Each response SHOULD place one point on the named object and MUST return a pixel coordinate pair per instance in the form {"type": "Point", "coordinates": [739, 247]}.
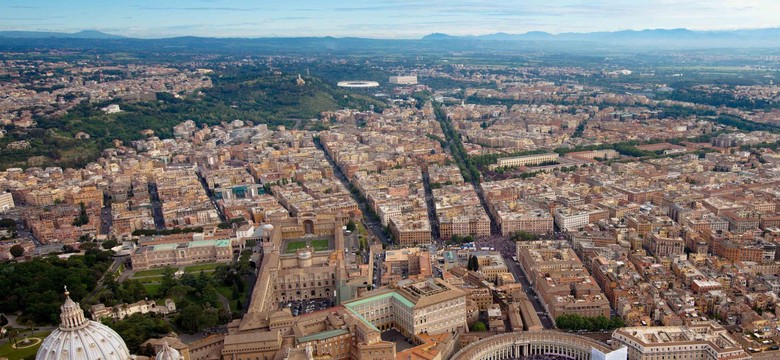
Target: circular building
{"type": "Point", "coordinates": [535, 345]}
{"type": "Point", "coordinates": [358, 84]}
{"type": "Point", "coordinates": [168, 353]}
{"type": "Point", "coordinates": [267, 229]}
{"type": "Point", "coordinates": [79, 338]}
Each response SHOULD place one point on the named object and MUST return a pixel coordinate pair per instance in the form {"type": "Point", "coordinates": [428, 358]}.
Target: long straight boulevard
{"type": "Point", "coordinates": [469, 171]}
{"type": "Point", "coordinates": [374, 226]}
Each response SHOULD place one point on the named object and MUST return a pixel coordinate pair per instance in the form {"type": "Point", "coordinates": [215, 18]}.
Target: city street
{"type": "Point", "coordinates": [435, 235]}
{"type": "Point", "coordinates": [378, 270]}
{"type": "Point", "coordinates": [105, 220]}
{"type": "Point", "coordinates": [514, 268]}
{"type": "Point", "coordinates": [210, 194]}
{"type": "Point", "coordinates": [373, 226]}
{"type": "Point", "coordinates": [159, 222]}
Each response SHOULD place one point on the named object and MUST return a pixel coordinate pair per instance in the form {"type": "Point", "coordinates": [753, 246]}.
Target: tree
{"type": "Point", "coordinates": [479, 326]}
{"type": "Point", "coordinates": [579, 322]}
{"type": "Point", "coordinates": [235, 292]}
{"type": "Point", "coordinates": [178, 292]}
{"type": "Point", "coordinates": [456, 239]}
{"type": "Point", "coordinates": [523, 236]}
{"type": "Point", "coordinates": [7, 223]}
{"type": "Point", "coordinates": [83, 218]}
{"type": "Point", "coordinates": [167, 281]}
{"type": "Point", "coordinates": [37, 284]}
{"type": "Point", "coordinates": [473, 263]}
{"type": "Point", "coordinates": [17, 250]}
{"type": "Point", "coordinates": [88, 246]}
{"type": "Point", "coordinates": [137, 328]}
{"type": "Point", "coordinates": [108, 244]}
{"type": "Point", "coordinates": [188, 318]}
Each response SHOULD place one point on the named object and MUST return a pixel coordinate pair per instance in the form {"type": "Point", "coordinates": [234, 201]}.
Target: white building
{"type": "Point", "coordinates": [701, 341]}
{"type": "Point", "coordinates": [122, 311]}
{"type": "Point", "coordinates": [570, 219]}
{"type": "Point", "coordinates": [525, 160]}
{"type": "Point", "coordinates": [404, 80]}
{"type": "Point", "coordinates": [111, 109]}
{"type": "Point", "coordinates": [6, 201]}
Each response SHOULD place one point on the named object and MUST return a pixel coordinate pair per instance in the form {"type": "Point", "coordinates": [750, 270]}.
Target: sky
{"type": "Point", "coordinates": [379, 18]}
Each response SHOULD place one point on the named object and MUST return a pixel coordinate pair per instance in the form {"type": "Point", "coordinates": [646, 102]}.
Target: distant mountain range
{"type": "Point", "coordinates": [84, 34]}
{"type": "Point", "coordinates": [593, 42]}
{"type": "Point", "coordinates": [673, 37]}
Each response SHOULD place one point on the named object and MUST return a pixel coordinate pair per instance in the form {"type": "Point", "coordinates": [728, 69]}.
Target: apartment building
{"type": "Point", "coordinates": [569, 219]}
{"type": "Point", "coordinates": [699, 341]}
{"type": "Point", "coordinates": [6, 201]}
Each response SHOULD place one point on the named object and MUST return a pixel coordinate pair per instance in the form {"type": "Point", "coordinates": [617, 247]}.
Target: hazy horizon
{"type": "Point", "coordinates": [391, 19]}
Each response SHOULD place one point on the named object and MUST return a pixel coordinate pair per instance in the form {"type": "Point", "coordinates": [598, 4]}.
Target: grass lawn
{"type": "Point", "coordinates": [320, 245]}
{"type": "Point", "coordinates": [227, 292]}
{"type": "Point", "coordinates": [149, 272]}
{"type": "Point", "coordinates": [295, 245]}
{"type": "Point", "coordinates": [152, 290]}
{"type": "Point", "coordinates": [16, 354]}
{"type": "Point", "coordinates": [245, 255]}
{"type": "Point", "coordinates": [200, 267]}
{"type": "Point", "coordinates": [151, 279]}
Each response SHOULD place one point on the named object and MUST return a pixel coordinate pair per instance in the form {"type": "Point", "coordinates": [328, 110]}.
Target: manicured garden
{"type": "Point", "coordinates": [7, 350]}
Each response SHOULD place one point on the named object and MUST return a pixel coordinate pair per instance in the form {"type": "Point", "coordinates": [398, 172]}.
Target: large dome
{"type": "Point", "coordinates": [80, 339]}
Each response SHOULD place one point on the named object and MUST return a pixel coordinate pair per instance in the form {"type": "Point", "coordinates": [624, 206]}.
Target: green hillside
{"type": "Point", "coordinates": [245, 93]}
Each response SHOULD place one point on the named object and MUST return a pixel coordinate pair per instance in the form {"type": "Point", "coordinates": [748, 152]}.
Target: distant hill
{"type": "Point", "coordinates": [84, 34]}
{"type": "Point", "coordinates": [680, 38]}
{"type": "Point", "coordinates": [584, 43]}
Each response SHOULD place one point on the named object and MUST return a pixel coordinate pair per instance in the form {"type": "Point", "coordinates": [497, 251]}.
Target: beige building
{"type": "Point", "coordinates": [291, 272]}
{"type": "Point", "coordinates": [6, 201]}
{"type": "Point", "coordinates": [411, 230]}
{"type": "Point", "coordinates": [431, 307]}
{"type": "Point", "coordinates": [701, 341]}
{"type": "Point", "coordinates": [122, 311]}
{"type": "Point", "coordinates": [666, 242]}
{"type": "Point", "coordinates": [563, 284]}
{"type": "Point", "coordinates": [407, 263]}
{"type": "Point", "coordinates": [403, 80]}
{"type": "Point", "coordinates": [491, 264]}
{"type": "Point", "coordinates": [476, 225]}
{"type": "Point", "coordinates": [459, 212]}
{"type": "Point", "coordinates": [178, 254]}
{"type": "Point", "coordinates": [525, 160]}
{"type": "Point", "coordinates": [535, 221]}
